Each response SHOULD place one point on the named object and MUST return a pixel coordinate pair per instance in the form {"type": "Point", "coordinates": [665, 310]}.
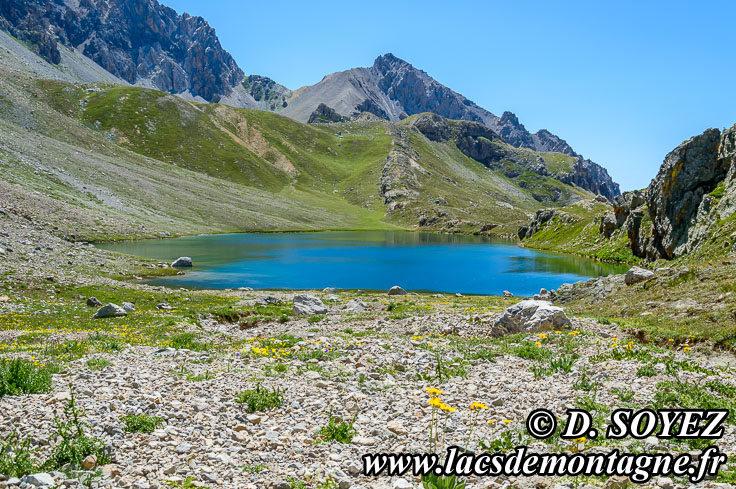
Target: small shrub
{"type": "Point", "coordinates": [200, 377]}
{"type": "Point", "coordinates": [260, 399]}
{"type": "Point", "coordinates": [647, 370]}
{"type": "Point", "coordinates": [434, 481]}
{"type": "Point", "coordinates": [562, 363]}
{"type": "Point", "coordinates": [141, 423]}
{"type": "Point", "coordinates": [254, 469]}
{"type": "Point", "coordinates": [281, 367]}
{"type": "Point", "coordinates": [337, 430]}
{"type": "Point", "coordinates": [584, 383]}
{"type": "Point", "coordinates": [296, 483]}
{"type": "Point", "coordinates": [73, 443]}
{"type": "Point", "coordinates": [19, 376]}
{"type": "Point", "coordinates": [328, 483]}
{"type": "Point", "coordinates": [98, 363]}
{"type": "Point", "coordinates": [624, 395]}
{"type": "Point", "coordinates": [315, 319]}
{"type": "Point", "coordinates": [187, 483]}
{"type": "Point", "coordinates": [15, 457]}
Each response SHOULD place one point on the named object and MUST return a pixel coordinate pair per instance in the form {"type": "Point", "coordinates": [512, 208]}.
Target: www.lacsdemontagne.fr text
{"type": "Point", "coordinates": [639, 467]}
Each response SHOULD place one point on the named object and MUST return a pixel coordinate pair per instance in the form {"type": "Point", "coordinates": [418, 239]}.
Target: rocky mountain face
{"type": "Point", "coordinates": [323, 114]}
{"type": "Point", "coordinates": [694, 189]}
{"type": "Point", "coordinates": [393, 89]}
{"type": "Point", "coordinates": [267, 93]}
{"type": "Point", "coordinates": [139, 41]}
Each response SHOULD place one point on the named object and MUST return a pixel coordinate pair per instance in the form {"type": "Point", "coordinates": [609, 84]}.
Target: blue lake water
{"type": "Point", "coordinates": [369, 260]}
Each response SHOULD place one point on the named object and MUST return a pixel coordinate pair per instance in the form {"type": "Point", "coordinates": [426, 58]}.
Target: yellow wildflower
{"type": "Point", "coordinates": [433, 391]}
{"type": "Point", "coordinates": [478, 405]}
{"type": "Point", "coordinates": [445, 407]}
{"type": "Point", "coordinates": [542, 335]}
{"type": "Point", "coordinates": [506, 421]}
{"type": "Point", "coordinates": [686, 348]}
{"type": "Point", "coordinates": [491, 421]}
{"type": "Point", "coordinates": [435, 402]}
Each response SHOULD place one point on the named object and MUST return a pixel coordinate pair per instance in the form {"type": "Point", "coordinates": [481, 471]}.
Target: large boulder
{"type": "Point", "coordinates": [182, 262]}
{"type": "Point", "coordinates": [308, 305]}
{"type": "Point", "coordinates": [110, 311]}
{"type": "Point", "coordinates": [396, 290]}
{"type": "Point", "coordinates": [530, 316]}
{"type": "Point", "coordinates": [636, 275]}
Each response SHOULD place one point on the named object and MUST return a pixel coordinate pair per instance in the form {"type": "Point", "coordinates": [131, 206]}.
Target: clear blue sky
{"type": "Point", "coordinates": [623, 82]}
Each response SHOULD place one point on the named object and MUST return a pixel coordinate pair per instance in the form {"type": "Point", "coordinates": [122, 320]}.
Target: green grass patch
{"type": "Point", "coordinates": [141, 423]}
{"type": "Point", "coordinates": [260, 399]}
{"type": "Point", "coordinates": [337, 430]}
{"type": "Point", "coordinates": [19, 376]}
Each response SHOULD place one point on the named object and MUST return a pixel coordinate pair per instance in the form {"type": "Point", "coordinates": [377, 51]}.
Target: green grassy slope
{"type": "Point", "coordinates": [577, 230]}
{"type": "Point", "coordinates": [156, 164]}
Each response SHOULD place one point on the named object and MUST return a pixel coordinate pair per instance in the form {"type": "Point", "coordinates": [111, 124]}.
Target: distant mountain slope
{"type": "Point", "coordinates": [156, 163]}
{"type": "Point", "coordinates": [143, 43]}
{"type": "Point", "coordinates": [139, 41]}
{"type": "Point", "coordinates": [394, 89]}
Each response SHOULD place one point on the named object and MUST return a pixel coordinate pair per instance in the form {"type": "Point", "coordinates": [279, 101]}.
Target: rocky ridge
{"type": "Point", "coordinates": [139, 41]}
{"type": "Point", "coordinates": [694, 189]}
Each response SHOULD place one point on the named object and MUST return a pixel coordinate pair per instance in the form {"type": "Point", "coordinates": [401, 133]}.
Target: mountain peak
{"type": "Point", "coordinates": [388, 61]}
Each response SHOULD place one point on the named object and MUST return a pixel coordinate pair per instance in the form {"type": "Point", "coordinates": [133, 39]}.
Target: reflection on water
{"type": "Point", "coordinates": [367, 260]}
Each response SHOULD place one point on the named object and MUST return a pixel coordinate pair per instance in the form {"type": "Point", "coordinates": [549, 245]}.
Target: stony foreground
{"type": "Point", "coordinates": [371, 367]}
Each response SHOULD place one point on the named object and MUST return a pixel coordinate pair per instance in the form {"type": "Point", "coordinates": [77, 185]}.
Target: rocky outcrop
{"type": "Point", "coordinates": [267, 93]}
{"type": "Point", "coordinates": [400, 174]}
{"type": "Point", "coordinates": [694, 189]}
{"type": "Point", "coordinates": [324, 115]}
{"type": "Point", "coordinates": [678, 194]}
{"type": "Point", "coordinates": [371, 107]}
{"type": "Point", "coordinates": [472, 138]}
{"type": "Point", "coordinates": [592, 177]}
{"type": "Point", "coordinates": [540, 220]}
{"type": "Point", "coordinates": [139, 41]}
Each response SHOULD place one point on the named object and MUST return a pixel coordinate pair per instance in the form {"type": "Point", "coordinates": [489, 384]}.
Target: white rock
{"type": "Point", "coordinates": [308, 305]}
{"type": "Point", "coordinates": [39, 480]}
{"type": "Point", "coordinates": [110, 311]}
{"type": "Point", "coordinates": [402, 483]}
{"type": "Point", "coordinates": [530, 316]}
{"type": "Point", "coordinates": [182, 262]}
{"type": "Point", "coordinates": [356, 305]}
{"type": "Point", "coordinates": [396, 290]}
{"type": "Point", "coordinates": [636, 275]}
